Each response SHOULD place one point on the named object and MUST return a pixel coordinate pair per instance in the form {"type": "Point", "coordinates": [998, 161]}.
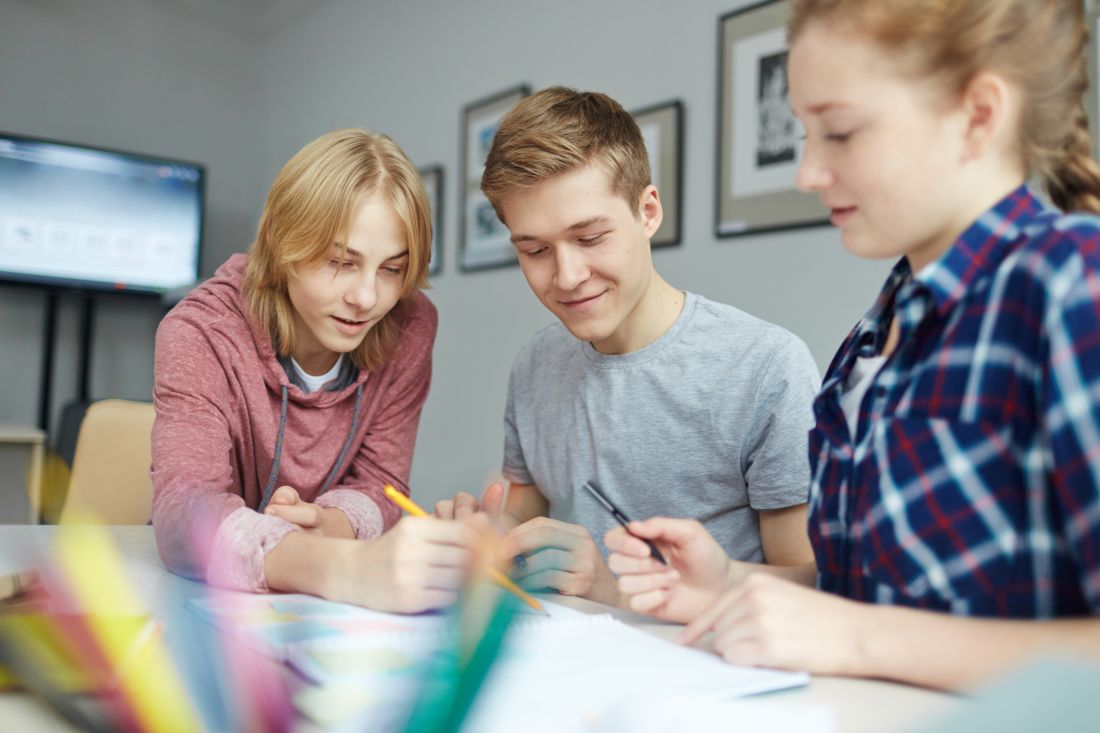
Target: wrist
{"type": "Point", "coordinates": [736, 572]}
{"type": "Point", "coordinates": [335, 523]}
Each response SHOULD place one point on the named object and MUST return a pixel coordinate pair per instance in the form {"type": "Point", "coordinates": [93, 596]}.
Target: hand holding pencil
{"type": "Point", "coordinates": [498, 577]}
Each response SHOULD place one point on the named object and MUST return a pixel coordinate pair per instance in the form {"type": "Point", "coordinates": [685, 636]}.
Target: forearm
{"type": "Point", "coordinates": [335, 524]}
{"type": "Point", "coordinates": [802, 573]}
{"type": "Point", "coordinates": [524, 503]}
{"type": "Point", "coordinates": [305, 563]}
{"type": "Point", "coordinates": [953, 653]}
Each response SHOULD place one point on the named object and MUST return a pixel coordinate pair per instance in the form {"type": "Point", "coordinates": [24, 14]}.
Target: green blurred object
{"type": "Point", "coordinates": [455, 673]}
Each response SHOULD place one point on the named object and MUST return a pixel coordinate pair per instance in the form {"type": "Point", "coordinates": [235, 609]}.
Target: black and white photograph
{"type": "Point", "coordinates": [759, 139]}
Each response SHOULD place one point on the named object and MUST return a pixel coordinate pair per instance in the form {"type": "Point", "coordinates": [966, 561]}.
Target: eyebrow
{"type": "Point", "coordinates": [516, 239]}
{"type": "Point", "coordinates": [357, 253]}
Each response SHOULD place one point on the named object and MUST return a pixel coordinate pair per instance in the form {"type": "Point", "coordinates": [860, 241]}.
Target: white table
{"type": "Point", "coordinates": [859, 706]}
{"type": "Point", "coordinates": [36, 440]}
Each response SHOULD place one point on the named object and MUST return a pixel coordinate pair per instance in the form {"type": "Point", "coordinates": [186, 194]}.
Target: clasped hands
{"type": "Point", "coordinates": [557, 556]}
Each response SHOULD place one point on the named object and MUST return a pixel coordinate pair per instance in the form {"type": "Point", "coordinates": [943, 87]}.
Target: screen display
{"type": "Point", "coordinates": [89, 218]}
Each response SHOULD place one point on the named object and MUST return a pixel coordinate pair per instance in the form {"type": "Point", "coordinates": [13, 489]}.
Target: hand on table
{"type": "Point", "coordinates": [765, 621]}
{"type": "Point", "coordinates": [562, 557]}
{"type": "Point", "coordinates": [698, 569]}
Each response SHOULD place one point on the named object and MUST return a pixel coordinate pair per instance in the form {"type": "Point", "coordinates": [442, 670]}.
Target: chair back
{"type": "Point", "coordinates": [110, 480]}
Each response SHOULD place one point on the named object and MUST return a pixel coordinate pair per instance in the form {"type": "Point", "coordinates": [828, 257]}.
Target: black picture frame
{"type": "Point", "coordinates": [433, 178]}
{"type": "Point", "coordinates": [483, 240]}
{"type": "Point", "coordinates": [662, 127]}
{"type": "Point", "coordinates": [758, 140]}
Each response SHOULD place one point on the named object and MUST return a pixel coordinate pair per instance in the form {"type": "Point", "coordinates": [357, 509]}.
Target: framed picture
{"type": "Point", "coordinates": [483, 240]}
{"type": "Point", "coordinates": [1092, 57]}
{"type": "Point", "coordinates": [662, 127]}
{"type": "Point", "coordinates": [432, 178]}
{"type": "Point", "coordinates": [759, 140]}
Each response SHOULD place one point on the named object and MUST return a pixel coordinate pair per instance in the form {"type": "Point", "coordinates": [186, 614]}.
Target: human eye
{"type": "Point", "coordinates": [534, 252]}
{"type": "Point", "coordinates": [394, 270]}
{"type": "Point", "coordinates": [338, 264]}
{"type": "Point", "coordinates": [592, 238]}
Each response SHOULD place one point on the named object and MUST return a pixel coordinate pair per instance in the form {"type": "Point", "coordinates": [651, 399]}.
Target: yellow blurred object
{"type": "Point", "coordinates": [146, 675]}
{"type": "Point", "coordinates": [110, 475]}
{"type": "Point", "coordinates": [55, 487]}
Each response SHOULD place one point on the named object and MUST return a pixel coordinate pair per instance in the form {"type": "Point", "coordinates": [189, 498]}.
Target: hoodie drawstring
{"type": "Point", "coordinates": [269, 489]}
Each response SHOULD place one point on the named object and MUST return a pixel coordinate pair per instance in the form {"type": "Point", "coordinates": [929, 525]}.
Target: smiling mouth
{"type": "Point", "coordinates": [348, 321]}
{"type": "Point", "coordinates": [580, 301]}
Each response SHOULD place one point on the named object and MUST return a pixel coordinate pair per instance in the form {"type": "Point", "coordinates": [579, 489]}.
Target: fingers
{"type": "Point", "coordinates": [285, 495]}
{"type": "Point", "coordinates": [460, 507]}
{"type": "Point", "coordinates": [726, 604]}
{"type": "Point", "coordinates": [302, 514]}
{"type": "Point", "coordinates": [635, 584]}
{"type": "Point", "coordinates": [650, 601]}
{"type": "Point", "coordinates": [543, 532]}
{"type": "Point", "coordinates": [548, 559]}
{"type": "Point", "coordinates": [624, 565]}
{"type": "Point", "coordinates": [464, 505]}
{"type": "Point", "coordinates": [557, 580]}
{"type": "Point", "coordinates": [445, 509]}
{"type": "Point", "coordinates": [492, 501]}
{"type": "Point", "coordinates": [622, 542]}
{"type": "Point", "coordinates": [672, 531]}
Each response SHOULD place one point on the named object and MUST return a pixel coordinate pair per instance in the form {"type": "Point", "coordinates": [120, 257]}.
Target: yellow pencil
{"type": "Point", "coordinates": [498, 577]}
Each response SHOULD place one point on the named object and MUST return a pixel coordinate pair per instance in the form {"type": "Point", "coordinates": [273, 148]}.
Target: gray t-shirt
{"type": "Point", "coordinates": [709, 422]}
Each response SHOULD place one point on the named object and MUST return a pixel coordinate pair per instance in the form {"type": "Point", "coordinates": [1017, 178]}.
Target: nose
{"type": "Point", "coordinates": [813, 175]}
{"type": "Point", "coordinates": [572, 267]}
{"type": "Point", "coordinates": [362, 293]}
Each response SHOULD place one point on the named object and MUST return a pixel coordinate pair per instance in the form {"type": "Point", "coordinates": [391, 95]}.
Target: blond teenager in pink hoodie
{"type": "Point", "coordinates": [288, 390]}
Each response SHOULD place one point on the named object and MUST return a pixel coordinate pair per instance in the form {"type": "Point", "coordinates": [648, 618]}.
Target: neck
{"type": "Point", "coordinates": [655, 313]}
{"type": "Point", "coordinates": [994, 190]}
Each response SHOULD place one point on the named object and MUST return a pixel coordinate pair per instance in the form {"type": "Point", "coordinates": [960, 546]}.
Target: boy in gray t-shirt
{"type": "Point", "coordinates": [673, 404]}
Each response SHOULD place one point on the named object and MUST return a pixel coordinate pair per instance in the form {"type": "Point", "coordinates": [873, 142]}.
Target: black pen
{"type": "Point", "coordinates": [622, 518]}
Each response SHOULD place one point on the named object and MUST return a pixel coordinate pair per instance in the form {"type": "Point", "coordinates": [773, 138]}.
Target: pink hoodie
{"type": "Point", "coordinates": [219, 394]}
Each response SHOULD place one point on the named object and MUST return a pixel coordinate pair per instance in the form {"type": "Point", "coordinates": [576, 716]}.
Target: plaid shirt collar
{"type": "Point", "coordinates": [977, 253]}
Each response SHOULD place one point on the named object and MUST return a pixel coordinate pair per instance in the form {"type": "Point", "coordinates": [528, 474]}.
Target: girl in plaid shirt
{"type": "Point", "coordinates": [955, 461]}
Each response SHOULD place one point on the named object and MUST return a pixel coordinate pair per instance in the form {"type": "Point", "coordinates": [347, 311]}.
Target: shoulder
{"type": "Point", "coordinates": [746, 341]}
{"type": "Point", "coordinates": [418, 315]}
{"type": "Point", "coordinates": [1054, 265]}
{"type": "Point", "coordinates": [545, 349]}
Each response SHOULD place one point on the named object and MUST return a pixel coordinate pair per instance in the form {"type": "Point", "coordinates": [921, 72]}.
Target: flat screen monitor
{"type": "Point", "coordinates": [89, 218]}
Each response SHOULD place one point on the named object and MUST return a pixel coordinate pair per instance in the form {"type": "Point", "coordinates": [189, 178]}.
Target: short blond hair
{"type": "Point", "coordinates": [558, 130]}
{"type": "Point", "coordinates": [310, 206]}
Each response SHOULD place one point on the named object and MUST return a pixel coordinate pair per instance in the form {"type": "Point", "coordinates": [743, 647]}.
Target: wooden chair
{"type": "Point", "coordinates": [110, 473]}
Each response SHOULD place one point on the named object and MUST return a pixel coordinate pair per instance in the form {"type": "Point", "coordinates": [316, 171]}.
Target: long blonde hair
{"type": "Point", "coordinates": [1037, 45]}
{"type": "Point", "coordinates": [309, 207]}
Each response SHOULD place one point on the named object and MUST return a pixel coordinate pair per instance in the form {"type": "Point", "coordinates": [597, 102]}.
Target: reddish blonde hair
{"type": "Point", "coordinates": [558, 130]}
{"type": "Point", "coordinates": [1036, 45]}
{"type": "Point", "coordinates": [310, 205]}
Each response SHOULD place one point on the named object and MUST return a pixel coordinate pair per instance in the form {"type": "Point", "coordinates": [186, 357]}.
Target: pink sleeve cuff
{"type": "Point", "coordinates": [361, 511]}
{"type": "Point", "coordinates": [240, 546]}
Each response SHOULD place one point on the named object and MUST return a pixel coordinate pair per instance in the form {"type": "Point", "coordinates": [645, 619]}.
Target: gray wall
{"type": "Point", "coordinates": [140, 75]}
{"type": "Point", "coordinates": [163, 77]}
{"type": "Point", "coordinates": [408, 68]}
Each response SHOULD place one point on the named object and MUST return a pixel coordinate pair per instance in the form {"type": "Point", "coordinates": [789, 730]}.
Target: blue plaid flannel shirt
{"type": "Point", "coordinates": [972, 484]}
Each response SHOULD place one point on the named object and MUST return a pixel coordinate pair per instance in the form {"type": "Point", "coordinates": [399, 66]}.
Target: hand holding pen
{"type": "Point", "coordinates": [621, 518]}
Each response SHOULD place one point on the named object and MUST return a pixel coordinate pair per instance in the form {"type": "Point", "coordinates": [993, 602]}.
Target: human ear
{"type": "Point", "coordinates": [649, 206]}
{"type": "Point", "coordinates": [986, 105]}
